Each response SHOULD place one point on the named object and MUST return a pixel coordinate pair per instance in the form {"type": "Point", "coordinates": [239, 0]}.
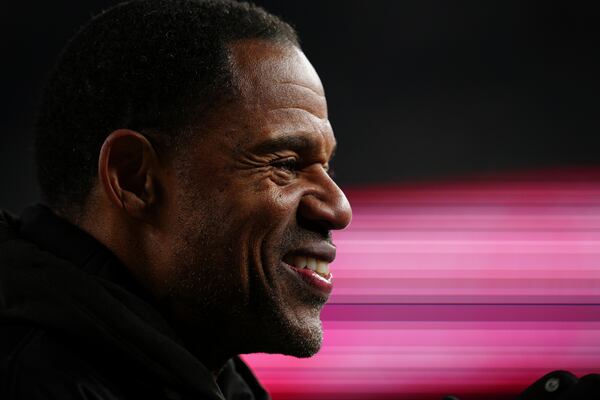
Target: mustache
{"type": "Point", "coordinates": [295, 237]}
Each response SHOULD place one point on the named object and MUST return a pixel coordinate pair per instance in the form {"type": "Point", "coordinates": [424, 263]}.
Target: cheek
{"type": "Point", "coordinates": [266, 206]}
{"type": "Point", "coordinates": [266, 217]}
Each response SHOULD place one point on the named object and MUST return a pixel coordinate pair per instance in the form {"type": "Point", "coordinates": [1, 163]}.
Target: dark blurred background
{"type": "Point", "coordinates": [417, 90]}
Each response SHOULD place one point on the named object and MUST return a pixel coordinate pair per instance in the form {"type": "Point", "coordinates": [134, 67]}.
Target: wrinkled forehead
{"type": "Point", "coordinates": [273, 75]}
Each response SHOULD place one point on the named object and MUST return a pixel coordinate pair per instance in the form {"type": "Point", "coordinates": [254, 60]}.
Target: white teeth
{"type": "Point", "coordinates": [319, 266]}
{"type": "Point", "coordinates": [300, 262]}
{"type": "Point", "coordinates": [322, 267]}
{"type": "Point", "coordinates": [311, 263]}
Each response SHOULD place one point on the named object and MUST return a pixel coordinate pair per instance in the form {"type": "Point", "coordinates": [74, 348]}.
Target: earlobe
{"type": "Point", "coordinates": [127, 171]}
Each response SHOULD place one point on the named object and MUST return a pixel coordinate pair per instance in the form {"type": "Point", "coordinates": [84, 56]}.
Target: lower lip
{"type": "Point", "coordinates": [323, 284]}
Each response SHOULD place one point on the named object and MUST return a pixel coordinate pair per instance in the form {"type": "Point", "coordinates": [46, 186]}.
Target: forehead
{"type": "Point", "coordinates": [260, 66]}
{"type": "Point", "coordinates": [280, 92]}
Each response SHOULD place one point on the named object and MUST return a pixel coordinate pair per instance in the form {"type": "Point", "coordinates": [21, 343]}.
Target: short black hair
{"type": "Point", "coordinates": [146, 65]}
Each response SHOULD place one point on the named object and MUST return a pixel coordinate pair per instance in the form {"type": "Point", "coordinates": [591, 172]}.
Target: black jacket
{"type": "Point", "coordinates": [74, 325]}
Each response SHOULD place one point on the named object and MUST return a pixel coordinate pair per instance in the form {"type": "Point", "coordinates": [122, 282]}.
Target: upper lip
{"type": "Point", "coordinates": [321, 251]}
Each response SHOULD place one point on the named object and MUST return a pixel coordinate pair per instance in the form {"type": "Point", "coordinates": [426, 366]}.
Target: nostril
{"type": "Point", "coordinates": [322, 227]}
{"type": "Point", "coordinates": [317, 212]}
{"type": "Point", "coordinates": [329, 210]}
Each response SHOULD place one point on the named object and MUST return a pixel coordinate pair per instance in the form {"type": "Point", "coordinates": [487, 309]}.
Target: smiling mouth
{"type": "Point", "coordinates": [312, 271]}
{"type": "Point", "coordinates": [320, 267]}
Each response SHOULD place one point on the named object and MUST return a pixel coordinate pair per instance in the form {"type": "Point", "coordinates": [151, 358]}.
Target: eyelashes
{"type": "Point", "coordinates": [286, 164]}
{"type": "Point", "coordinates": [292, 165]}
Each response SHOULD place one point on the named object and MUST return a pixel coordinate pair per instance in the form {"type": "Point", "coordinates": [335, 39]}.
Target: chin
{"type": "Point", "coordinates": [302, 338]}
{"type": "Point", "coordinates": [305, 346]}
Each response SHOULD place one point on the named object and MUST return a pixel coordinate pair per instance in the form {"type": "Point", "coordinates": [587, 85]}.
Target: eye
{"type": "Point", "coordinates": [286, 164]}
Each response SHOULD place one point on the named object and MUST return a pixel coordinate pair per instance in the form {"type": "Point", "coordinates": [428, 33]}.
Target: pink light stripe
{"type": "Point", "coordinates": [383, 379]}
{"type": "Point", "coordinates": [462, 337]}
{"type": "Point", "coordinates": [557, 282]}
{"type": "Point", "coordinates": [492, 292]}
{"type": "Point", "coordinates": [512, 193]}
{"type": "Point", "coordinates": [458, 350]}
{"type": "Point", "coordinates": [444, 361]}
{"type": "Point", "coordinates": [357, 326]}
{"type": "Point", "coordinates": [462, 236]}
{"type": "Point", "coordinates": [471, 222]}
{"type": "Point", "coordinates": [473, 246]}
{"type": "Point", "coordinates": [347, 275]}
{"type": "Point", "coordinates": [383, 375]}
{"type": "Point", "coordinates": [465, 261]}
{"type": "Point", "coordinates": [471, 288]}
{"type": "Point", "coordinates": [461, 312]}
{"type": "Point", "coordinates": [481, 210]}
{"type": "Point", "coordinates": [371, 299]}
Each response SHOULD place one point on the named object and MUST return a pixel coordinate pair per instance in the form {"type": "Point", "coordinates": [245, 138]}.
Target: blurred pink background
{"type": "Point", "coordinates": [473, 287]}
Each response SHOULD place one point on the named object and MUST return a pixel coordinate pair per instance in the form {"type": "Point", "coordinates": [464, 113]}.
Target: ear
{"type": "Point", "coordinates": [128, 172]}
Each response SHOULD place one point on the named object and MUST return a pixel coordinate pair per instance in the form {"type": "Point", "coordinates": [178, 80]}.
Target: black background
{"type": "Point", "coordinates": [417, 90]}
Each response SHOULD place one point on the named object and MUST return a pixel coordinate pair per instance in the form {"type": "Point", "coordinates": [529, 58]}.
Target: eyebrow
{"type": "Point", "coordinates": [298, 142]}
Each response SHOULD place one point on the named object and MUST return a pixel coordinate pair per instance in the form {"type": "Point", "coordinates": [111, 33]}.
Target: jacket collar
{"type": "Point", "coordinates": [58, 236]}
{"type": "Point", "coordinates": [45, 268]}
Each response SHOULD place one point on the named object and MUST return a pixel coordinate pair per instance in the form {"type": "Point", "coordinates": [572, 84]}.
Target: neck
{"type": "Point", "coordinates": [207, 338]}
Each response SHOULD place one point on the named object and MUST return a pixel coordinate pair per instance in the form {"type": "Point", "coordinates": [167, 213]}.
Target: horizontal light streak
{"type": "Point", "coordinates": [461, 312]}
{"type": "Point", "coordinates": [520, 274]}
{"type": "Point", "coordinates": [474, 246]}
{"type": "Point", "coordinates": [474, 288]}
{"type": "Point", "coordinates": [363, 223]}
{"type": "Point", "coordinates": [464, 261]}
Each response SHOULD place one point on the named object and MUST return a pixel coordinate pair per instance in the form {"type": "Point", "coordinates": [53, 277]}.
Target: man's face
{"type": "Point", "coordinates": [252, 208]}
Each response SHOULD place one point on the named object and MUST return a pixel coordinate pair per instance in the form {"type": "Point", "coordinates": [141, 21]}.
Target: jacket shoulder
{"type": "Point", "coordinates": [563, 385]}
{"type": "Point", "coordinates": [35, 365]}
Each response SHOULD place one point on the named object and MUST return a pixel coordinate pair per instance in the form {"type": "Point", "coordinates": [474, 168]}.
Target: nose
{"type": "Point", "coordinates": [325, 205]}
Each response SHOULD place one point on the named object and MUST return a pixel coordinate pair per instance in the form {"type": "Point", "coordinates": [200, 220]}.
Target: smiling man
{"type": "Point", "coordinates": [183, 151]}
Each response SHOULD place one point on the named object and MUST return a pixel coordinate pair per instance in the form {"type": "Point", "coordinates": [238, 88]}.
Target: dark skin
{"type": "Point", "coordinates": [205, 229]}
